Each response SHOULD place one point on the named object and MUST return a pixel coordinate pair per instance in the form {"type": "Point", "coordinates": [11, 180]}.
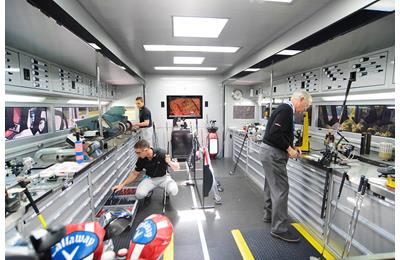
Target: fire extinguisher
{"type": "Point", "coordinates": [212, 137]}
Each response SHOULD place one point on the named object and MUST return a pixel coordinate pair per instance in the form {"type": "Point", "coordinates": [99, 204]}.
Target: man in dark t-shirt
{"type": "Point", "coordinates": [155, 163]}
{"type": "Point", "coordinates": [145, 121]}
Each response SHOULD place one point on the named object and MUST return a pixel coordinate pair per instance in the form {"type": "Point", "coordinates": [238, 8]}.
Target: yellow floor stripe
{"type": "Point", "coordinates": [242, 245]}
{"type": "Point", "coordinates": [312, 241]}
{"type": "Point", "coordinates": [169, 251]}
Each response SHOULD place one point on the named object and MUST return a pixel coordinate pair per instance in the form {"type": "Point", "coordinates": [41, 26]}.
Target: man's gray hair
{"type": "Point", "coordinates": [302, 94]}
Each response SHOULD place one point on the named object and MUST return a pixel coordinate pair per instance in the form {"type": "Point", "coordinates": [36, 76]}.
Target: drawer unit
{"type": "Point", "coordinates": [280, 87]}
{"type": "Point", "coordinates": [109, 91]}
{"type": "Point", "coordinates": [293, 83]}
{"type": "Point", "coordinates": [103, 92]}
{"type": "Point", "coordinates": [35, 72]}
{"type": "Point", "coordinates": [90, 85]}
{"type": "Point", "coordinates": [63, 80]}
{"type": "Point", "coordinates": [12, 68]}
{"type": "Point", "coordinates": [335, 76]}
{"type": "Point", "coordinates": [309, 80]}
{"type": "Point", "coordinates": [79, 84]}
{"type": "Point", "coordinates": [371, 69]}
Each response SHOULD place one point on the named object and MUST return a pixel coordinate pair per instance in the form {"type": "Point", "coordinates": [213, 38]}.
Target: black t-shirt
{"type": "Point", "coordinates": [279, 130]}
{"type": "Point", "coordinates": [156, 167]}
{"type": "Point", "coordinates": [145, 114]}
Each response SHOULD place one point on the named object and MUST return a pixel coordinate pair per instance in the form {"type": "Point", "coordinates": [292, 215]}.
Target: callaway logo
{"type": "Point", "coordinates": [76, 245]}
{"type": "Point", "coordinates": [145, 232]}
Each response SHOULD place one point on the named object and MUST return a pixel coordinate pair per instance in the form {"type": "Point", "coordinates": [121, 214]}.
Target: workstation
{"type": "Point", "coordinates": [120, 126]}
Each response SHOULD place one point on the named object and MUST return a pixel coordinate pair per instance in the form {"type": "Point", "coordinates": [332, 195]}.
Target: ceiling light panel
{"type": "Point", "coordinates": [288, 52]}
{"type": "Point", "coordinates": [279, 1]}
{"type": "Point", "coordinates": [94, 46]}
{"type": "Point", "coordinates": [186, 68]}
{"type": "Point", "coordinates": [198, 26]}
{"type": "Point", "coordinates": [383, 6]}
{"type": "Point", "coordinates": [188, 60]}
{"type": "Point", "coordinates": [252, 69]}
{"type": "Point", "coordinates": [189, 48]}
{"type": "Point", "coordinates": [24, 99]}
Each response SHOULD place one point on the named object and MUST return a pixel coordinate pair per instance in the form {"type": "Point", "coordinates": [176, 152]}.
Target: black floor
{"type": "Point", "coordinates": [242, 208]}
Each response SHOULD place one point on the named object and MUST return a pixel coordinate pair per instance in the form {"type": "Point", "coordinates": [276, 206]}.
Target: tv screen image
{"type": "Point", "coordinates": [185, 106]}
{"type": "Point", "coordinates": [25, 121]}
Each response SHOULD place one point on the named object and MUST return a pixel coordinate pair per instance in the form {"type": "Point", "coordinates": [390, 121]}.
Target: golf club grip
{"type": "Point", "coordinates": [342, 183]}
{"type": "Point", "coordinates": [364, 187]}
{"type": "Point", "coordinates": [31, 201]}
{"type": "Point", "coordinates": [361, 183]}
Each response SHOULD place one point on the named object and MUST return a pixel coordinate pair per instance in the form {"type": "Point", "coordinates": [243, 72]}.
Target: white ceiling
{"type": "Point", "coordinates": [252, 25]}
{"type": "Point", "coordinates": [374, 36]}
{"type": "Point", "coordinates": [29, 30]}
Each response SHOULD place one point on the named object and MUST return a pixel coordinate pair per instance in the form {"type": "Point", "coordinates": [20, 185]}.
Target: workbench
{"type": "Point", "coordinates": [84, 197]}
{"type": "Point", "coordinates": [375, 231]}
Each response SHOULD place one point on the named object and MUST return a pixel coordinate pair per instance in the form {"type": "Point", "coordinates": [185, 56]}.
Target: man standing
{"type": "Point", "coordinates": [276, 148]}
{"type": "Point", "coordinates": [145, 122]}
{"type": "Point", "coordinates": [155, 163]}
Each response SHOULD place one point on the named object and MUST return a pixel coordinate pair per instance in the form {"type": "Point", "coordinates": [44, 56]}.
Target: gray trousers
{"type": "Point", "coordinates": [149, 184]}
{"type": "Point", "coordinates": [276, 187]}
{"type": "Point", "coordinates": [146, 133]}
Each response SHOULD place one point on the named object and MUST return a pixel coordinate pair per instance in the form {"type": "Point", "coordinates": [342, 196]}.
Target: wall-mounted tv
{"type": "Point", "coordinates": [185, 106]}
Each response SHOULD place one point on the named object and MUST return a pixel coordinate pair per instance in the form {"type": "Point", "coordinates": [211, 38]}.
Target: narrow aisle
{"type": "Point", "coordinates": [242, 207]}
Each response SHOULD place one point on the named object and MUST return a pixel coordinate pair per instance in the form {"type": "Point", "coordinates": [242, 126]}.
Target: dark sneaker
{"type": "Point", "coordinates": [267, 218]}
{"type": "Point", "coordinates": [287, 236]}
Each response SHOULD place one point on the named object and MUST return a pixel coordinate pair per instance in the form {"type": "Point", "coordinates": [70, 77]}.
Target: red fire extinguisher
{"type": "Point", "coordinates": [212, 137]}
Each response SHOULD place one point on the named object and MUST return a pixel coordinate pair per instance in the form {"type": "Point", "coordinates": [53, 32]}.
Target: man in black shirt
{"type": "Point", "coordinates": [276, 148]}
{"type": "Point", "coordinates": [155, 163]}
{"type": "Point", "coordinates": [145, 122]}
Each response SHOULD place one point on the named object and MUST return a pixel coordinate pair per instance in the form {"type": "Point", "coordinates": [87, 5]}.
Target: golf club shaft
{"type": "Point", "coordinates": [331, 217]}
{"type": "Point", "coordinates": [364, 187]}
{"type": "Point", "coordinates": [238, 157]}
{"type": "Point", "coordinates": [358, 194]}
{"type": "Point", "coordinates": [33, 204]}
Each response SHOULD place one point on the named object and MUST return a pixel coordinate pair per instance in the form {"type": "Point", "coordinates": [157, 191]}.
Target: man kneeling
{"type": "Point", "coordinates": [155, 163]}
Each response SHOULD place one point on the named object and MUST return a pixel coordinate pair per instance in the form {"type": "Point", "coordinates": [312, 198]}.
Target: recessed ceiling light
{"type": "Point", "coordinates": [198, 26]}
{"type": "Point", "coordinates": [288, 52]}
{"type": "Point", "coordinates": [185, 68]}
{"type": "Point", "coordinates": [382, 5]}
{"type": "Point", "coordinates": [252, 69]}
{"type": "Point", "coordinates": [182, 78]}
{"type": "Point", "coordinates": [190, 48]}
{"type": "Point", "coordinates": [280, 1]}
{"type": "Point", "coordinates": [188, 60]}
{"type": "Point", "coordinates": [94, 46]}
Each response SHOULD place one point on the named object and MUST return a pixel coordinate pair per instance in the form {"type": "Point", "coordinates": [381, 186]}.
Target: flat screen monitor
{"type": "Point", "coordinates": [185, 107]}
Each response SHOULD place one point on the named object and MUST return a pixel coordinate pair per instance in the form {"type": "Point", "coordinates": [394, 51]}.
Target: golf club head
{"type": "Point", "coordinates": [115, 222]}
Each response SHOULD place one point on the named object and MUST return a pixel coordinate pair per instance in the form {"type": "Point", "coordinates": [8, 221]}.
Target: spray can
{"type": "Point", "coordinates": [79, 156]}
{"type": "Point", "coordinates": [362, 144]}
{"type": "Point", "coordinates": [368, 143]}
